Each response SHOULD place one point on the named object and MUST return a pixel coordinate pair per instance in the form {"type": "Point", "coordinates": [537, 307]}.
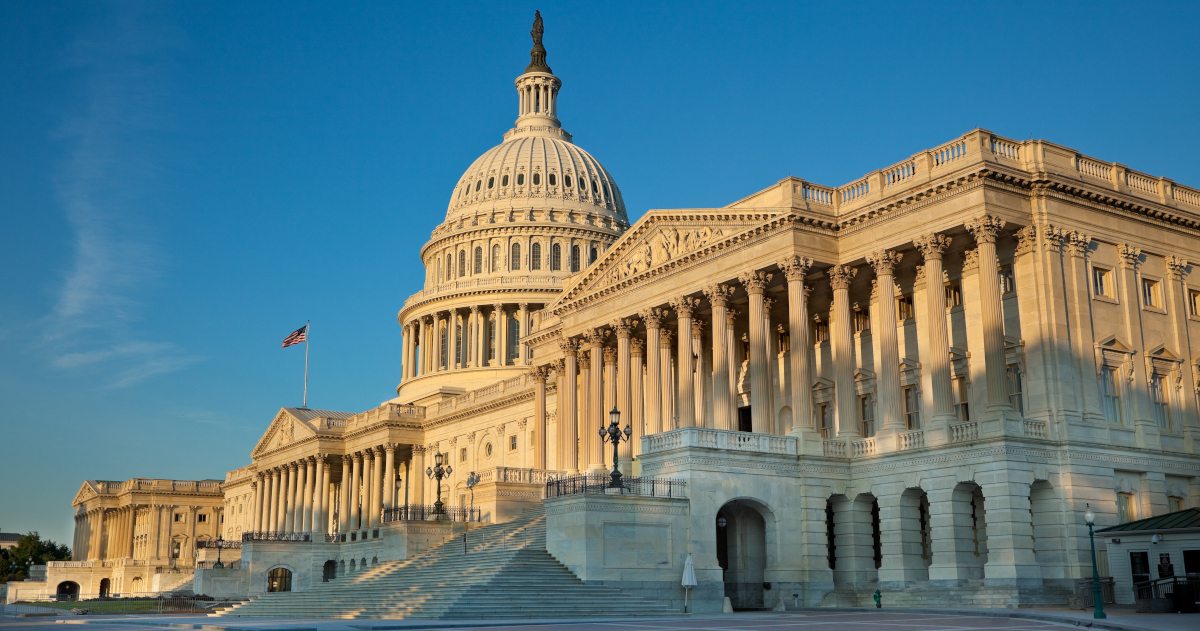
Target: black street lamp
{"type": "Point", "coordinates": [437, 472]}
{"type": "Point", "coordinates": [472, 479]}
{"type": "Point", "coordinates": [612, 434]}
{"type": "Point", "coordinates": [1097, 597]}
{"type": "Point", "coordinates": [220, 544]}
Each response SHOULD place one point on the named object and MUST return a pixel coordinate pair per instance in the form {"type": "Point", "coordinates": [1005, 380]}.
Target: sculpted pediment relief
{"type": "Point", "coordinates": [284, 430]}
{"type": "Point", "coordinates": [662, 238]}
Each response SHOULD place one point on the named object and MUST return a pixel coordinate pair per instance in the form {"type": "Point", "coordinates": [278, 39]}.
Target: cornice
{"type": "Point", "coordinates": [1113, 203]}
{"type": "Point", "coordinates": [540, 228]}
{"type": "Point", "coordinates": [495, 404]}
{"type": "Point", "coordinates": [405, 312]}
{"type": "Point", "coordinates": [911, 201]}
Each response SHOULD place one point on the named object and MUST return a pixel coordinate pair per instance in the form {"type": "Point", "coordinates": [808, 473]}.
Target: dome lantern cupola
{"type": "Point", "coordinates": [537, 93]}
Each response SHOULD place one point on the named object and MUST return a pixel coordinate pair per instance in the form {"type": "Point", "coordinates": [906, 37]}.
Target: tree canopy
{"type": "Point", "coordinates": [14, 564]}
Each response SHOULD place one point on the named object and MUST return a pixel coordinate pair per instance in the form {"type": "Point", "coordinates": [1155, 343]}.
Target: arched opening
{"type": "Point", "coordinates": [742, 553]}
{"type": "Point", "coordinates": [341, 568]}
{"type": "Point", "coordinates": [105, 588]}
{"type": "Point", "coordinates": [905, 520]}
{"type": "Point", "coordinates": [783, 425]}
{"type": "Point", "coordinates": [329, 572]}
{"type": "Point", "coordinates": [352, 564]}
{"type": "Point", "coordinates": [854, 539]}
{"type": "Point", "coordinates": [279, 580]}
{"type": "Point", "coordinates": [514, 262]}
{"type": "Point", "coordinates": [67, 590]}
{"type": "Point", "coordinates": [496, 258]}
{"type": "Point", "coordinates": [514, 340]}
{"type": "Point", "coordinates": [136, 585]}
{"type": "Point", "coordinates": [535, 257]}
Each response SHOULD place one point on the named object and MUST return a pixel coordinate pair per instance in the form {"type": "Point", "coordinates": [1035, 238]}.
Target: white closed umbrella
{"type": "Point", "coordinates": [689, 579]}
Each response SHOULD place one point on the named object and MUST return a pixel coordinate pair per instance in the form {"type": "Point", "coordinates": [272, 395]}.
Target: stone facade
{"type": "Point", "coordinates": [913, 382]}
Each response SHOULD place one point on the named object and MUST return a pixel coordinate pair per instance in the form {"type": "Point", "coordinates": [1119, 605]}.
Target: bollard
{"type": "Point", "coordinates": [464, 543]}
{"type": "Point", "coordinates": [878, 600]}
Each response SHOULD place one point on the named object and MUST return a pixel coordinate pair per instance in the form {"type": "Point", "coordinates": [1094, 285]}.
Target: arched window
{"type": "Point", "coordinates": [279, 580]}
{"type": "Point", "coordinates": [504, 181]}
{"type": "Point", "coordinates": [496, 258]}
{"type": "Point", "coordinates": [537, 179]}
{"type": "Point", "coordinates": [477, 185]}
{"type": "Point", "coordinates": [445, 333]}
{"type": "Point", "coordinates": [449, 266]}
{"type": "Point", "coordinates": [552, 182]}
{"type": "Point", "coordinates": [555, 257]}
{"type": "Point", "coordinates": [520, 179]}
{"type": "Point", "coordinates": [592, 255]}
{"type": "Point", "coordinates": [462, 263]}
{"type": "Point", "coordinates": [535, 256]}
{"type": "Point", "coordinates": [491, 182]}
{"type": "Point", "coordinates": [514, 342]}
{"type": "Point", "coordinates": [514, 256]}
{"type": "Point", "coordinates": [478, 260]}
{"type": "Point", "coordinates": [458, 340]}
{"type": "Point", "coordinates": [574, 258]}
{"type": "Point", "coordinates": [595, 187]}
{"type": "Point", "coordinates": [567, 181]}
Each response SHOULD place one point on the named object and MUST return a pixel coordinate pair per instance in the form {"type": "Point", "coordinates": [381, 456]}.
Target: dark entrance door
{"type": "Point", "coordinates": [744, 422]}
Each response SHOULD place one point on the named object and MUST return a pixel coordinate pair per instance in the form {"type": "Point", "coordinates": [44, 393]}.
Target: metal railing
{"type": "Point", "coordinates": [429, 512]}
{"type": "Point", "coordinates": [210, 565]}
{"type": "Point", "coordinates": [1107, 591]}
{"type": "Point", "coordinates": [94, 604]}
{"type": "Point", "coordinates": [223, 544]}
{"type": "Point", "coordinates": [264, 535]}
{"type": "Point", "coordinates": [1183, 588]}
{"type": "Point", "coordinates": [601, 484]}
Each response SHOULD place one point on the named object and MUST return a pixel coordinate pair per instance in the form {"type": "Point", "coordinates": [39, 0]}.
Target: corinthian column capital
{"type": "Point", "coordinates": [795, 268]}
{"type": "Point", "coordinates": [624, 327]}
{"type": "Point", "coordinates": [841, 275]}
{"type": "Point", "coordinates": [685, 306]}
{"type": "Point", "coordinates": [1130, 255]}
{"type": "Point", "coordinates": [595, 337]}
{"type": "Point", "coordinates": [569, 348]}
{"type": "Point", "coordinates": [932, 245]}
{"type": "Point", "coordinates": [986, 228]}
{"type": "Point", "coordinates": [884, 261]}
{"type": "Point", "coordinates": [653, 317]}
{"type": "Point", "coordinates": [1176, 266]}
{"type": "Point", "coordinates": [539, 374]}
{"type": "Point", "coordinates": [718, 294]}
{"type": "Point", "coordinates": [755, 282]}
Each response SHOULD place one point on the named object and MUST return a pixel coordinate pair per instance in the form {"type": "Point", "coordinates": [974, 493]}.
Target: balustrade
{"type": "Point", "coordinates": [1005, 148]}
{"type": "Point", "coordinates": [912, 440]}
{"type": "Point", "coordinates": [720, 439]}
{"type": "Point", "coordinates": [963, 432]}
{"type": "Point", "coordinates": [1035, 429]}
{"type": "Point", "coordinates": [834, 448]}
{"type": "Point", "coordinates": [860, 448]}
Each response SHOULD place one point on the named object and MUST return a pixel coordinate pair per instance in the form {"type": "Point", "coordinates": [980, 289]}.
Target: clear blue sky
{"type": "Point", "coordinates": [183, 184]}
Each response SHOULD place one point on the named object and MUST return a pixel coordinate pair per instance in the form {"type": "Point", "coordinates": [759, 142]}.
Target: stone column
{"type": "Point", "coordinates": [985, 229]}
{"type": "Point", "coordinates": [843, 351]}
{"type": "Point", "coordinates": [276, 492]}
{"type": "Point", "coordinates": [370, 468]}
{"type": "Point", "coordinates": [356, 491]}
{"type": "Point", "coordinates": [416, 474]}
{"type": "Point", "coordinates": [760, 415]}
{"type": "Point", "coordinates": [654, 394]}
{"type": "Point", "coordinates": [637, 400]}
{"type": "Point", "coordinates": [889, 402]}
{"type": "Point", "coordinates": [288, 505]}
{"type": "Point", "coordinates": [438, 343]}
{"type": "Point", "coordinates": [610, 399]}
{"type": "Point", "coordinates": [624, 385]}
{"type": "Point", "coordinates": [568, 408]}
{"type": "Point", "coordinates": [406, 340]}
{"type": "Point", "coordinates": [718, 296]}
{"type": "Point", "coordinates": [310, 487]}
{"type": "Point", "coordinates": [735, 361]}
{"type": "Point", "coordinates": [192, 510]}
{"type": "Point", "coordinates": [501, 335]}
{"type": "Point", "coordinates": [471, 338]}
{"type": "Point", "coordinates": [389, 472]}
{"type": "Point", "coordinates": [426, 361]}
{"type": "Point", "coordinates": [158, 538]}
{"type": "Point", "coordinates": [597, 415]}
{"type": "Point", "coordinates": [523, 331]}
{"type": "Point", "coordinates": [700, 375]}
{"type": "Point", "coordinates": [539, 376]}
{"type": "Point", "coordinates": [686, 399]}
{"type": "Point", "coordinates": [1136, 389]}
{"type": "Point", "coordinates": [583, 428]}
{"type": "Point", "coordinates": [800, 384]}
{"type": "Point", "coordinates": [932, 247]}
{"type": "Point", "coordinates": [667, 387]}
{"type": "Point", "coordinates": [344, 494]}
{"type": "Point", "coordinates": [259, 491]}
{"type": "Point", "coordinates": [1177, 306]}
{"type": "Point", "coordinates": [772, 363]}
{"type": "Point", "coordinates": [320, 490]}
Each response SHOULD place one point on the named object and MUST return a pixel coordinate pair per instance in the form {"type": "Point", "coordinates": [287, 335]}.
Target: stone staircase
{"type": "Point", "coordinates": [505, 573]}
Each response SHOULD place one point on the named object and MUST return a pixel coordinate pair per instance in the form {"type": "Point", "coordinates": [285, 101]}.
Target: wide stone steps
{"type": "Point", "coordinates": [505, 572]}
{"type": "Point", "coordinates": [970, 594]}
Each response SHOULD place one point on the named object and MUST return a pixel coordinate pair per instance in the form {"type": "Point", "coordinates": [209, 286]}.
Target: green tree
{"type": "Point", "coordinates": [14, 562]}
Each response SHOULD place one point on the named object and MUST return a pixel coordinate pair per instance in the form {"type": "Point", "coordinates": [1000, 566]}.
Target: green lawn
{"type": "Point", "coordinates": [122, 606]}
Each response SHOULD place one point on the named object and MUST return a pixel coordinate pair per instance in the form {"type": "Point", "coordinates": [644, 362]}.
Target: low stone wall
{"type": "Point", "coordinates": [222, 583]}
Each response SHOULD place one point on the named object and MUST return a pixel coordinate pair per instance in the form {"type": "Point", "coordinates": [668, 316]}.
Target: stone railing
{"type": "Point", "coordinates": [982, 146]}
{"type": "Point", "coordinates": [69, 563]}
{"type": "Point", "coordinates": [701, 437]}
{"type": "Point", "coordinates": [912, 440]}
{"type": "Point", "coordinates": [469, 284]}
{"type": "Point", "coordinates": [492, 391]}
{"type": "Point", "coordinates": [963, 432]}
{"type": "Point", "coordinates": [864, 447]}
{"type": "Point", "coordinates": [1035, 429]}
{"type": "Point", "coordinates": [834, 448]}
{"type": "Point", "coordinates": [517, 476]}
{"type": "Point", "coordinates": [385, 412]}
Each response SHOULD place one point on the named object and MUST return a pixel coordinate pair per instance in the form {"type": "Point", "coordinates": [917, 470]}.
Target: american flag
{"type": "Point", "coordinates": [297, 336]}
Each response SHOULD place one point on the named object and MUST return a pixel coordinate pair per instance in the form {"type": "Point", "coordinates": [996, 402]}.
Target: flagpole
{"type": "Point", "coordinates": [307, 333]}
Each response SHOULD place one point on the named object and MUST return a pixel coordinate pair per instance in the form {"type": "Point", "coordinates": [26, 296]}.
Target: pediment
{"type": "Point", "coordinates": [85, 493]}
{"type": "Point", "coordinates": [284, 430]}
{"type": "Point", "coordinates": [1112, 343]}
{"type": "Point", "coordinates": [662, 239]}
{"type": "Point", "coordinates": [1161, 352]}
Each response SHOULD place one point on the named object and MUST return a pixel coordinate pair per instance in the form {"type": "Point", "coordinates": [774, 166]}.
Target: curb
{"type": "Point", "coordinates": [1104, 623]}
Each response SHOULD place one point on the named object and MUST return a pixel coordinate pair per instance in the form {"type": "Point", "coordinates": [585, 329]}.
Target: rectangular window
{"type": "Point", "coordinates": [1175, 504]}
{"type": "Point", "coordinates": [179, 518]}
{"type": "Point", "coordinates": [462, 454]}
{"type": "Point", "coordinates": [962, 406]}
{"type": "Point", "coordinates": [1194, 302]}
{"type": "Point", "coordinates": [824, 423]}
{"type": "Point", "coordinates": [202, 518]}
{"type": "Point", "coordinates": [1110, 389]}
{"type": "Point", "coordinates": [820, 332]}
{"type": "Point", "coordinates": [1151, 293]}
{"type": "Point", "coordinates": [912, 407]}
{"type": "Point", "coordinates": [1125, 508]}
{"type": "Point", "coordinates": [1015, 392]}
{"type": "Point", "coordinates": [866, 415]}
{"type": "Point", "coordinates": [512, 443]}
{"type": "Point", "coordinates": [1162, 401]}
{"type": "Point", "coordinates": [862, 320]}
{"type": "Point", "coordinates": [904, 308]}
{"type": "Point", "coordinates": [953, 295]}
{"type": "Point", "coordinates": [1102, 282]}
{"type": "Point", "coordinates": [1008, 282]}
{"type": "Point", "coordinates": [1139, 567]}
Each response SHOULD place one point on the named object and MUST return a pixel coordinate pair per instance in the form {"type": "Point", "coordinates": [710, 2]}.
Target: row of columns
{"type": "Point", "coordinates": [669, 400]}
{"type": "Point", "coordinates": [111, 533]}
{"type": "Point", "coordinates": [467, 333]}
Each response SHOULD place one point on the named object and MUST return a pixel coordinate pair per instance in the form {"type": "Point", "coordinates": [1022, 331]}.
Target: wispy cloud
{"type": "Point", "coordinates": [107, 186]}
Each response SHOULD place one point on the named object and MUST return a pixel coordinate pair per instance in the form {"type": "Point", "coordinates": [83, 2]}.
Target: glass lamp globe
{"type": "Point", "coordinates": [721, 522]}
{"type": "Point", "coordinates": [1089, 517]}
{"type": "Point", "coordinates": [437, 459]}
{"type": "Point", "coordinates": [614, 417]}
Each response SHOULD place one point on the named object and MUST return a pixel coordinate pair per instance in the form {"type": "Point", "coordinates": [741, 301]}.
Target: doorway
{"type": "Point", "coordinates": [67, 590]}
{"type": "Point", "coordinates": [742, 553]}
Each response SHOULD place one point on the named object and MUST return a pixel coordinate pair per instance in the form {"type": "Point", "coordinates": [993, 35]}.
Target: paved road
{"type": "Point", "coordinates": [798, 621]}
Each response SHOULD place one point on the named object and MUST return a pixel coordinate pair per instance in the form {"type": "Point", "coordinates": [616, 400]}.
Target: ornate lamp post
{"type": "Point", "coordinates": [220, 544]}
{"type": "Point", "coordinates": [437, 472]}
{"type": "Point", "coordinates": [472, 479]}
{"type": "Point", "coordinates": [612, 434]}
{"type": "Point", "coordinates": [1097, 596]}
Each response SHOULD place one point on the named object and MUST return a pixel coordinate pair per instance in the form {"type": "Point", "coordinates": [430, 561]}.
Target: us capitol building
{"type": "Point", "coordinates": [914, 382]}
